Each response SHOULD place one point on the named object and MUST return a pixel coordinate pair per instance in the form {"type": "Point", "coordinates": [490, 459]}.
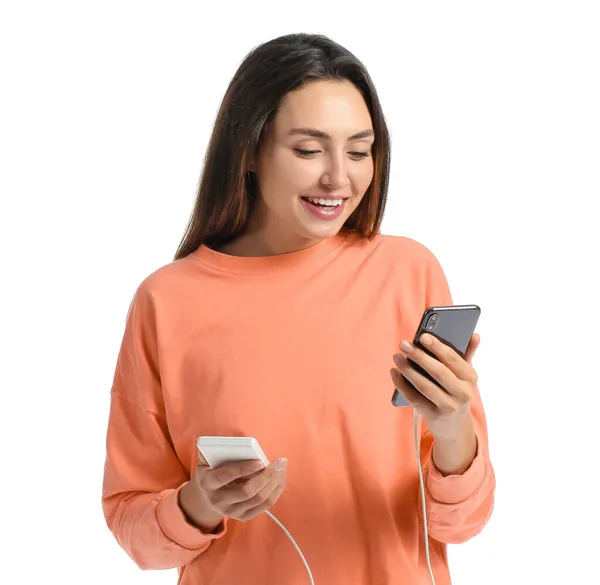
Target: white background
{"type": "Point", "coordinates": [494, 110]}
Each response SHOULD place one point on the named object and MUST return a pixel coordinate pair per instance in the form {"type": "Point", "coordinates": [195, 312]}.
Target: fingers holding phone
{"type": "Point", "coordinates": [423, 372]}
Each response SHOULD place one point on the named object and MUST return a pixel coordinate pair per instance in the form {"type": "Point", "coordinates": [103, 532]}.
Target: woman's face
{"type": "Point", "coordinates": [314, 167]}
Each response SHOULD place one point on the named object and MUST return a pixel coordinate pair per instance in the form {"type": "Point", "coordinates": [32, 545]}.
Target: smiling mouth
{"type": "Point", "coordinates": [325, 202]}
{"type": "Point", "coordinates": [324, 208]}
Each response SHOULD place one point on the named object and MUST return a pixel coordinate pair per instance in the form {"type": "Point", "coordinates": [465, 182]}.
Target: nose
{"type": "Point", "coordinates": [335, 175]}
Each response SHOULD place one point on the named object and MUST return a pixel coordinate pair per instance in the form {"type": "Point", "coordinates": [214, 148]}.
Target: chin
{"type": "Point", "coordinates": [320, 232]}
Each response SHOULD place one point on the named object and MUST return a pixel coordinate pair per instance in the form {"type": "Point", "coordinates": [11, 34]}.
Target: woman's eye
{"type": "Point", "coordinates": [313, 152]}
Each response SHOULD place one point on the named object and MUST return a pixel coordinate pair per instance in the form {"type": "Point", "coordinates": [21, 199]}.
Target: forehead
{"type": "Point", "coordinates": [335, 107]}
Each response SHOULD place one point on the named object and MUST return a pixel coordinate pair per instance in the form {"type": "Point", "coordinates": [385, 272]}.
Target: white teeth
{"type": "Point", "coordinates": [328, 202]}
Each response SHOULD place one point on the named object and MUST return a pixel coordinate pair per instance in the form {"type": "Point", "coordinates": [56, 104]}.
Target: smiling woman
{"type": "Point", "coordinates": [278, 319]}
{"type": "Point", "coordinates": [311, 127]}
{"type": "Point", "coordinates": [311, 179]}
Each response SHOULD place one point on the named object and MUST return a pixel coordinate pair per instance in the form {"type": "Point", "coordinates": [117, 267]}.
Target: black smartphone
{"type": "Point", "coordinates": [453, 325]}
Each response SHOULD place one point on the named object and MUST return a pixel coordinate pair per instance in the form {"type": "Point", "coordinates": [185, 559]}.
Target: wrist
{"type": "Point", "coordinates": [196, 511]}
{"type": "Point", "coordinates": [453, 454]}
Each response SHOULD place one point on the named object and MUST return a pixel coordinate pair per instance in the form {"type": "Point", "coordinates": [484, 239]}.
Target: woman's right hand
{"type": "Point", "coordinates": [241, 490]}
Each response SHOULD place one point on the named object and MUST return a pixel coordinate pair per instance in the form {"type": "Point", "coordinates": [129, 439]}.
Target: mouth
{"type": "Point", "coordinates": [325, 207]}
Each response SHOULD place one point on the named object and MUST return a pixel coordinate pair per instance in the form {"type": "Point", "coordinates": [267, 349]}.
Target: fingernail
{"type": "Point", "coordinates": [426, 339]}
{"type": "Point", "coordinates": [407, 347]}
{"type": "Point", "coordinates": [280, 464]}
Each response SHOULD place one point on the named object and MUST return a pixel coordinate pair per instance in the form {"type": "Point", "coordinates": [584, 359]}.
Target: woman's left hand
{"type": "Point", "coordinates": [445, 410]}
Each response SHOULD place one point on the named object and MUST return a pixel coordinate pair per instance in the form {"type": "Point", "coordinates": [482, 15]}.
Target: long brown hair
{"type": "Point", "coordinates": [227, 189]}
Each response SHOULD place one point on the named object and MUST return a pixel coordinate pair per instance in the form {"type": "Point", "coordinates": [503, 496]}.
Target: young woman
{"type": "Point", "coordinates": [281, 318]}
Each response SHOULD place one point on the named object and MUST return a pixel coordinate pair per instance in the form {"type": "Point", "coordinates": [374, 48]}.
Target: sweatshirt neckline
{"type": "Point", "coordinates": [265, 264]}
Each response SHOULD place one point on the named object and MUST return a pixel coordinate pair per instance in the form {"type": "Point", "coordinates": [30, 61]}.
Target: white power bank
{"type": "Point", "coordinates": [221, 450]}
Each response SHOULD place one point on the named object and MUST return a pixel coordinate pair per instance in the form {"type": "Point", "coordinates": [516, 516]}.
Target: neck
{"type": "Point", "coordinates": [262, 237]}
{"type": "Point", "coordinates": [255, 245]}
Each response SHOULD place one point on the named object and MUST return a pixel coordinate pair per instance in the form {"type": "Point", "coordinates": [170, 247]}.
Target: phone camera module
{"type": "Point", "coordinates": [432, 322]}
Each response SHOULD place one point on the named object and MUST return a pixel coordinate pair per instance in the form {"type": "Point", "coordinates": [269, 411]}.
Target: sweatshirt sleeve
{"type": "Point", "coordinates": [143, 475]}
{"type": "Point", "coordinates": [458, 506]}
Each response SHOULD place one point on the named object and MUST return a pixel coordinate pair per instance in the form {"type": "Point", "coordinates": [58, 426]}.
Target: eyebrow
{"type": "Point", "coordinates": [320, 134]}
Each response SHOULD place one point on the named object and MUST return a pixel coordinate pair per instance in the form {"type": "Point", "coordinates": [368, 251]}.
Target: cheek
{"type": "Point", "coordinates": [362, 177]}
{"type": "Point", "coordinates": [290, 175]}
{"type": "Point", "coordinates": [305, 174]}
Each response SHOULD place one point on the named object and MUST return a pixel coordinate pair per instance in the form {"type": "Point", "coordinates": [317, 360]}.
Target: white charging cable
{"type": "Point", "coordinates": [294, 543]}
{"type": "Point", "coordinates": [421, 485]}
{"type": "Point", "coordinates": [422, 489]}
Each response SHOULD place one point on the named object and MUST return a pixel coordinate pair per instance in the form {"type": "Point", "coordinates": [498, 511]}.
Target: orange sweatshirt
{"type": "Point", "coordinates": [294, 350]}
